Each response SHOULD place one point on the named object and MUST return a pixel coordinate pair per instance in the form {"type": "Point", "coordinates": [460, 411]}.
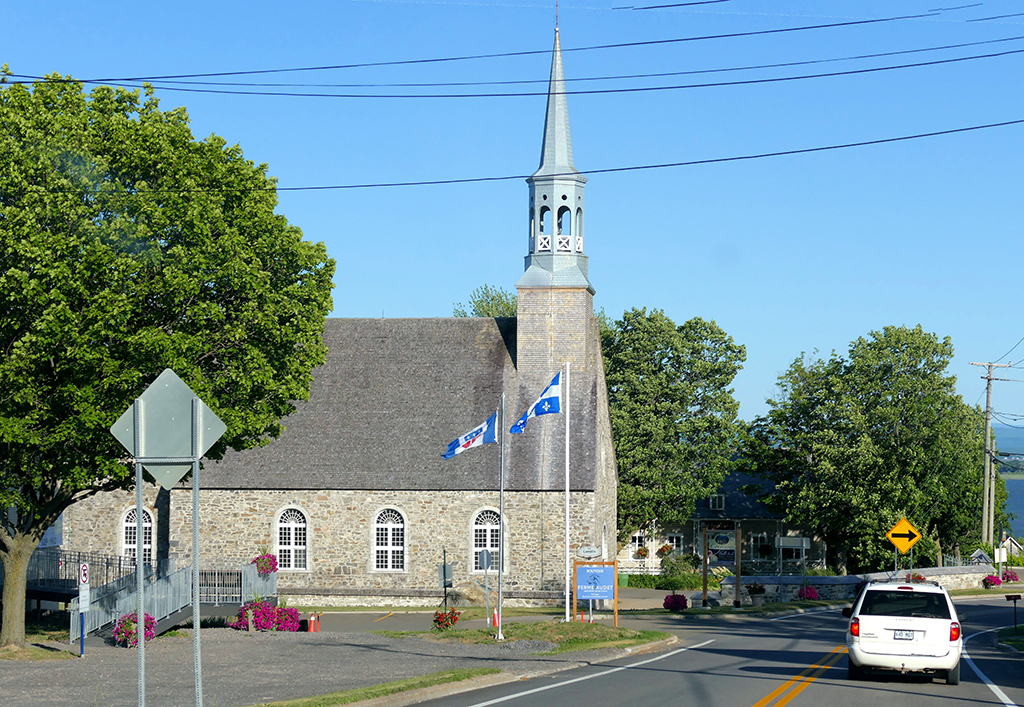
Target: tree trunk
{"type": "Point", "coordinates": [15, 579]}
{"type": "Point", "coordinates": [938, 546]}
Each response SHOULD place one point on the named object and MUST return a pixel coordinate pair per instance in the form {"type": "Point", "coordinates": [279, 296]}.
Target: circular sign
{"type": "Point", "coordinates": [83, 573]}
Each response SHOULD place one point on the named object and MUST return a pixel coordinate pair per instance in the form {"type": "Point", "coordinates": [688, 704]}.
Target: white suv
{"type": "Point", "coordinates": [908, 627]}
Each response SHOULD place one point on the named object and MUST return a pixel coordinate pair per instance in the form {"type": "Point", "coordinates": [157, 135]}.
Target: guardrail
{"type": "Point", "coordinates": [105, 600]}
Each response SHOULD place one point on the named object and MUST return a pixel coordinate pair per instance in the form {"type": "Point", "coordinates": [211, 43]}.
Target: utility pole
{"type": "Point", "coordinates": [988, 493]}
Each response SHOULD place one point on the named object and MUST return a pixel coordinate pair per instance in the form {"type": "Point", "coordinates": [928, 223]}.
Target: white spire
{"type": "Point", "coordinates": [556, 152]}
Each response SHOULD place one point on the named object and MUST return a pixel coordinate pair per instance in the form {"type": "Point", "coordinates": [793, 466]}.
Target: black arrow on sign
{"type": "Point", "coordinates": [910, 535]}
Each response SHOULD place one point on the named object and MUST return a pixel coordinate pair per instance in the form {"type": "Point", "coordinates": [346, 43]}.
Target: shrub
{"type": "Point", "coordinates": [125, 631]}
{"type": "Point", "coordinates": [675, 602]}
{"type": "Point", "coordinates": [808, 593]}
{"type": "Point", "coordinates": [444, 620]}
{"type": "Point", "coordinates": [991, 581]}
{"type": "Point", "coordinates": [266, 617]}
{"type": "Point", "coordinates": [676, 564]}
{"type": "Point", "coordinates": [754, 589]}
{"type": "Point", "coordinates": [1010, 576]}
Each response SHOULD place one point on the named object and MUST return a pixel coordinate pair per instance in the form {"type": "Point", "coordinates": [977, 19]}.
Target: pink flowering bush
{"type": "Point", "coordinates": [991, 581]}
{"type": "Point", "coordinates": [808, 593]}
{"type": "Point", "coordinates": [1010, 576]}
{"type": "Point", "coordinates": [266, 563]}
{"type": "Point", "coordinates": [126, 632]}
{"type": "Point", "coordinates": [266, 617]}
{"type": "Point", "coordinates": [675, 602]}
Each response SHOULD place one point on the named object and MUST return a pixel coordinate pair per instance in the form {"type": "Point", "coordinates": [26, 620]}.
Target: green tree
{"type": "Point", "coordinates": [852, 444]}
{"type": "Point", "coordinates": [673, 415]}
{"type": "Point", "coordinates": [127, 247]}
{"type": "Point", "coordinates": [487, 301]}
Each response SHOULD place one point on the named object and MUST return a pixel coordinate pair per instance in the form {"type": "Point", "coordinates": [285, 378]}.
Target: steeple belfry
{"type": "Point", "coordinates": [556, 299]}
{"type": "Point", "coordinates": [556, 199]}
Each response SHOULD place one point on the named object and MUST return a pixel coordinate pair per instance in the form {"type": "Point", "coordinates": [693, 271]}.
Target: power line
{"type": "Point", "coordinates": [593, 91]}
{"type": "Point", "coordinates": [1010, 351]}
{"type": "Point", "coordinates": [665, 165]}
{"type": "Point", "coordinates": [692, 72]}
{"type": "Point", "coordinates": [533, 52]}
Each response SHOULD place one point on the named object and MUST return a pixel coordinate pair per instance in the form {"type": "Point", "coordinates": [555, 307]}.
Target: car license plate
{"type": "Point", "coordinates": [903, 635]}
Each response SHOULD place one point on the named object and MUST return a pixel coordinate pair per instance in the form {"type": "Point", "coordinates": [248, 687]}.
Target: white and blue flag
{"type": "Point", "coordinates": [486, 433]}
{"type": "Point", "coordinates": [549, 402]}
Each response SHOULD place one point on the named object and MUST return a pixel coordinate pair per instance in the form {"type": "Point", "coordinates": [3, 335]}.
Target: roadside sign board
{"type": "Point", "coordinates": [84, 597]}
{"type": "Point", "coordinates": [444, 574]}
{"type": "Point", "coordinates": [167, 411]}
{"type": "Point", "coordinates": [589, 551]}
{"type": "Point", "coordinates": [903, 535]}
{"type": "Point", "coordinates": [485, 559]}
{"type": "Point", "coordinates": [595, 582]}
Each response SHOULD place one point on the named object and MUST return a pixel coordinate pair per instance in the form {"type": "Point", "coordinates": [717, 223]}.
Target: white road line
{"type": "Point", "coordinates": [590, 677]}
{"type": "Point", "coordinates": [1000, 695]}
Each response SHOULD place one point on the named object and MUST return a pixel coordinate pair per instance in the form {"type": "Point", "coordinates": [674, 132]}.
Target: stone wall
{"type": "Point", "coordinates": [965, 577]}
{"type": "Point", "coordinates": [340, 526]}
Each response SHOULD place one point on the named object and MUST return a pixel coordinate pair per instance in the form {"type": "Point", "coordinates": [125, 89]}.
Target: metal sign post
{"type": "Point", "coordinates": [187, 429]}
{"type": "Point", "coordinates": [84, 599]}
{"type": "Point", "coordinates": [485, 562]}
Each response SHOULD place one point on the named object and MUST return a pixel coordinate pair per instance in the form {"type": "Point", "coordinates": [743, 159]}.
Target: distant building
{"type": "Point", "coordinates": [354, 497]}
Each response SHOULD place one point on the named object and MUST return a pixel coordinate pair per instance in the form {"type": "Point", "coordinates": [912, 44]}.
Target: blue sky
{"type": "Point", "coordinates": [788, 254]}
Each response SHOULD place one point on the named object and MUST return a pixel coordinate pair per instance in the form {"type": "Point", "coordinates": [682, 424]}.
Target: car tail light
{"type": "Point", "coordinates": [954, 632]}
{"type": "Point", "coordinates": [909, 589]}
{"type": "Point", "coordinates": [855, 627]}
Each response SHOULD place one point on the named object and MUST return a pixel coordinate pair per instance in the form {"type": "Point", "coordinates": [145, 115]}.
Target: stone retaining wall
{"type": "Point", "coordinates": [965, 577]}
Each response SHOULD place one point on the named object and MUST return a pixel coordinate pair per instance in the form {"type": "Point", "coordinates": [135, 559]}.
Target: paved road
{"type": "Point", "coordinates": [762, 662]}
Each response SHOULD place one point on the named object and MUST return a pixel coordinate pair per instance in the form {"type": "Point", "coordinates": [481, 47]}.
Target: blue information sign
{"type": "Point", "coordinates": [595, 582]}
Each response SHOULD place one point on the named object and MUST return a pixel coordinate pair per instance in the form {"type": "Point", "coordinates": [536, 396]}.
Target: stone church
{"type": "Point", "coordinates": [354, 497]}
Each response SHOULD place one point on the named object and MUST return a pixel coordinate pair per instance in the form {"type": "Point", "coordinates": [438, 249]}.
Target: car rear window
{"type": "Point", "coordinates": [927, 605]}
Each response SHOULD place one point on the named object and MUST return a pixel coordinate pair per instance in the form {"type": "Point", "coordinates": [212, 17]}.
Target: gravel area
{"type": "Point", "coordinates": [240, 668]}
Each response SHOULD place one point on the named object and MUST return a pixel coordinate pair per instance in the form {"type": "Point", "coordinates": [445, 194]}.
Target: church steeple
{"type": "Point", "coordinates": [556, 300]}
{"type": "Point", "coordinates": [556, 256]}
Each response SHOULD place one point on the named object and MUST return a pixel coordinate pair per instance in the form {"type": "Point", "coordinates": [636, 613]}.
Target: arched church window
{"type": "Point", "coordinates": [486, 536]}
{"type": "Point", "coordinates": [544, 237]}
{"type": "Point", "coordinates": [130, 532]}
{"type": "Point", "coordinates": [389, 540]}
{"type": "Point", "coordinates": [579, 230]}
{"type": "Point", "coordinates": [291, 540]}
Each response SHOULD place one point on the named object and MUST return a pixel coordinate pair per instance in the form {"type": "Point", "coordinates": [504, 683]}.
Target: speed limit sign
{"type": "Point", "coordinates": [83, 573]}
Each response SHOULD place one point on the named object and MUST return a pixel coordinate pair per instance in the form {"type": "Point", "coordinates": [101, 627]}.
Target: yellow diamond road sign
{"type": "Point", "coordinates": [903, 535]}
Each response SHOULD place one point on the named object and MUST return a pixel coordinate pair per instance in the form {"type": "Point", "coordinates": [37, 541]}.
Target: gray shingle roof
{"type": "Point", "coordinates": [393, 393]}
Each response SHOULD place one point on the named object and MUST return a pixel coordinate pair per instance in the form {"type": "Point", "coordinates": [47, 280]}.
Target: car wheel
{"type": "Point", "coordinates": [853, 671]}
{"type": "Point", "coordinates": [953, 676]}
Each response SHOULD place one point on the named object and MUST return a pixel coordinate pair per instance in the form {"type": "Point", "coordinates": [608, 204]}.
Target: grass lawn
{"type": "Point", "coordinates": [34, 653]}
{"type": "Point", "coordinates": [468, 612]}
{"type": "Point", "coordinates": [388, 688]}
{"type": "Point", "coordinates": [49, 627]}
{"type": "Point", "coordinates": [572, 636]}
{"type": "Point", "coordinates": [1013, 638]}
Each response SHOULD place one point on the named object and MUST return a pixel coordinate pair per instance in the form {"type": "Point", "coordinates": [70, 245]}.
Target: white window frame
{"type": "Point", "coordinates": [717, 502]}
{"type": "Point", "coordinates": [395, 556]}
{"type": "Point", "coordinates": [677, 541]}
{"type": "Point", "coordinates": [491, 534]}
{"type": "Point", "coordinates": [129, 525]}
{"type": "Point", "coordinates": [285, 520]}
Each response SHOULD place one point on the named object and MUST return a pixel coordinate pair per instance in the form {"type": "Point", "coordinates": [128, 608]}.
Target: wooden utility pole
{"type": "Point", "coordinates": [988, 492]}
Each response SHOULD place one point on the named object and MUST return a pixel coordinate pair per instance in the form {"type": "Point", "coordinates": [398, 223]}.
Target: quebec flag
{"type": "Point", "coordinates": [549, 402]}
{"type": "Point", "coordinates": [486, 433]}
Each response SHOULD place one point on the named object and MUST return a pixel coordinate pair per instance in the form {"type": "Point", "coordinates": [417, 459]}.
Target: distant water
{"type": "Point", "coordinates": [1009, 440]}
{"type": "Point", "coordinates": [1015, 504]}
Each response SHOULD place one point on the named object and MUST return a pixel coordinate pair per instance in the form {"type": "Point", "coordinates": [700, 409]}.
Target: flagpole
{"type": "Point", "coordinates": [501, 515]}
{"type": "Point", "coordinates": [566, 398]}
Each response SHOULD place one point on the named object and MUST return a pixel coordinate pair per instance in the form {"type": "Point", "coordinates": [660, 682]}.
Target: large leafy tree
{"type": "Point", "coordinates": [127, 247]}
{"type": "Point", "coordinates": [487, 301]}
{"type": "Point", "coordinates": [674, 419]}
{"type": "Point", "coordinates": [853, 443]}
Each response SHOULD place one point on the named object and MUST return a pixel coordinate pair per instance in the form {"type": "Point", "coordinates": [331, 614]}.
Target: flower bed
{"type": "Point", "coordinates": [444, 620]}
{"type": "Point", "coordinates": [126, 630]}
{"type": "Point", "coordinates": [1010, 576]}
{"type": "Point", "coordinates": [675, 602]}
{"type": "Point", "coordinates": [266, 617]}
{"type": "Point", "coordinates": [991, 581]}
{"type": "Point", "coordinates": [809, 593]}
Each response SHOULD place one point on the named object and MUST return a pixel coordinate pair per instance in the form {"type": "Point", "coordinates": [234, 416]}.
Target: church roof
{"type": "Point", "coordinates": [393, 393]}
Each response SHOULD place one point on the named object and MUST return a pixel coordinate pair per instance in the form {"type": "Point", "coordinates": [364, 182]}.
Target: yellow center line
{"type": "Point", "coordinates": [383, 617]}
{"type": "Point", "coordinates": [802, 680]}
